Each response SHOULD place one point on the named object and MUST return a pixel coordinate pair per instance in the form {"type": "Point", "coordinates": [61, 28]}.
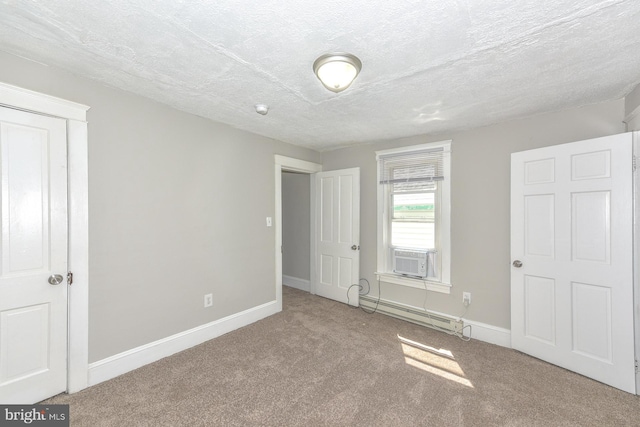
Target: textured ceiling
{"type": "Point", "coordinates": [428, 66]}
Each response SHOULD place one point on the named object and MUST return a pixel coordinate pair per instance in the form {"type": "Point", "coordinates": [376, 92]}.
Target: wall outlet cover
{"type": "Point", "coordinates": [466, 298]}
{"type": "Point", "coordinates": [208, 300]}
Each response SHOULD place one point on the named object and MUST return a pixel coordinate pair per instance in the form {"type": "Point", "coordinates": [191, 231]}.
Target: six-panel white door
{"type": "Point", "coordinates": [33, 312]}
{"type": "Point", "coordinates": [572, 232]}
{"type": "Point", "coordinates": [338, 235]}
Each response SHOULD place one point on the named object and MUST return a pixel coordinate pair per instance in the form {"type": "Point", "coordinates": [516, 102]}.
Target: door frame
{"type": "Point", "coordinates": [77, 208]}
{"type": "Point", "coordinates": [636, 251]}
{"type": "Point", "coordinates": [290, 164]}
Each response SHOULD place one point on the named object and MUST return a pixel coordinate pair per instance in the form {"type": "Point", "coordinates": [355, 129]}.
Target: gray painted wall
{"type": "Point", "coordinates": [480, 259]}
{"type": "Point", "coordinates": [295, 225]}
{"type": "Point", "coordinates": [177, 204]}
{"type": "Point", "coordinates": [632, 100]}
{"type": "Point", "coordinates": [631, 103]}
{"type": "Point", "coordinates": [177, 208]}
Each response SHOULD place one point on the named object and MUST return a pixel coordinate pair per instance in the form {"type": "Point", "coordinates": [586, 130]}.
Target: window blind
{"type": "Point", "coordinates": [412, 169]}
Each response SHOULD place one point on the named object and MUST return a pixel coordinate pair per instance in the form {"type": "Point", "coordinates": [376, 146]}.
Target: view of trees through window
{"type": "Point", "coordinates": [413, 219]}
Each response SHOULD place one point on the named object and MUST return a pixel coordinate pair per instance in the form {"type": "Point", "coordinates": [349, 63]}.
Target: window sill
{"type": "Point", "coordinates": [397, 279]}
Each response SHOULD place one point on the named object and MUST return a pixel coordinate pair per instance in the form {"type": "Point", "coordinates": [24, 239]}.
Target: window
{"type": "Point", "coordinates": [414, 214]}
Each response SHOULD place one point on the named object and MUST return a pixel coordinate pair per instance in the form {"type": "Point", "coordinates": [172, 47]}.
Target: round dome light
{"type": "Point", "coordinates": [337, 71]}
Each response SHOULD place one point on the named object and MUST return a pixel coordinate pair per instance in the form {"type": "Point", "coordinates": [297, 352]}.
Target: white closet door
{"type": "Point", "coordinates": [33, 312]}
{"type": "Point", "coordinates": [338, 234]}
{"type": "Point", "coordinates": [571, 230]}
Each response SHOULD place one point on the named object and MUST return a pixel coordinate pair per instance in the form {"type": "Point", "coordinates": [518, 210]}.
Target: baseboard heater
{"type": "Point", "coordinates": [419, 317]}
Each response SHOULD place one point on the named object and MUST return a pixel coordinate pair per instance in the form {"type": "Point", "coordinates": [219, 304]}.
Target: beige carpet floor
{"type": "Point", "coordinates": [322, 363]}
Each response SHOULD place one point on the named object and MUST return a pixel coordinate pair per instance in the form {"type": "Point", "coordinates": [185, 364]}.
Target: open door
{"type": "Point", "coordinates": [572, 257]}
{"type": "Point", "coordinates": [337, 235]}
{"type": "Point", "coordinates": [33, 267]}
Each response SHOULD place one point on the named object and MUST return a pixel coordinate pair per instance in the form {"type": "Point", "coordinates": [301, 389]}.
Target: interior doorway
{"type": "Point", "coordinates": [296, 230]}
{"type": "Point", "coordinates": [74, 114]}
{"type": "Point", "coordinates": [292, 165]}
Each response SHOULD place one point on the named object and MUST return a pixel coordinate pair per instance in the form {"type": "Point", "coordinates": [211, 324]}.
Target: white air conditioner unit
{"type": "Point", "coordinates": [410, 262]}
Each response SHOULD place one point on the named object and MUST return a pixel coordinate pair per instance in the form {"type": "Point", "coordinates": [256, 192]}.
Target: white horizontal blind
{"type": "Point", "coordinates": [415, 170]}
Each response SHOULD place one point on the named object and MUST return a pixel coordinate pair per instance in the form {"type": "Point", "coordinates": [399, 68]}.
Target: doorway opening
{"type": "Point", "coordinates": [296, 166]}
{"type": "Point", "coordinates": [296, 226]}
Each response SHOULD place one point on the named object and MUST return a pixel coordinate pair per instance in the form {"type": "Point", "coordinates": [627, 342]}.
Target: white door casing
{"type": "Point", "coordinates": [636, 249]}
{"type": "Point", "coordinates": [33, 313]}
{"type": "Point", "coordinates": [572, 230]}
{"type": "Point", "coordinates": [337, 230]}
{"type": "Point", "coordinates": [78, 250]}
{"type": "Point", "coordinates": [283, 163]}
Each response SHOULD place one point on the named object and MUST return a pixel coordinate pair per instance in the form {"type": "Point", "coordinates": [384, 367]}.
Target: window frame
{"type": "Point", "coordinates": [443, 225]}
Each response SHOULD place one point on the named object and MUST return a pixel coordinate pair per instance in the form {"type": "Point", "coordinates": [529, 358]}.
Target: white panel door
{"type": "Point", "coordinates": [572, 257]}
{"type": "Point", "coordinates": [338, 235]}
{"type": "Point", "coordinates": [33, 312]}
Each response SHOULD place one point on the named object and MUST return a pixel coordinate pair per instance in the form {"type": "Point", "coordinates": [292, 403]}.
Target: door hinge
{"type": "Point", "coordinates": [69, 278]}
{"type": "Point", "coordinates": [635, 164]}
{"type": "Point", "coordinates": [637, 366]}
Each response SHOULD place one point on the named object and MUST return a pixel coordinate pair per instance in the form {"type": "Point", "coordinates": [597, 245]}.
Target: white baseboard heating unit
{"type": "Point", "coordinates": [410, 314]}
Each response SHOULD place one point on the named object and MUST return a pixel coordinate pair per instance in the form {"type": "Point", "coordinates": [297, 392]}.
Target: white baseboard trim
{"type": "Point", "coordinates": [294, 282]}
{"type": "Point", "coordinates": [135, 358]}
{"type": "Point", "coordinates": [488, 333]}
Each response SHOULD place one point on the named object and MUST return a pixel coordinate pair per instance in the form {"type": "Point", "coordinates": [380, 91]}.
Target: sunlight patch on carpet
{"type": "Point", "coordinates": [440, 362]}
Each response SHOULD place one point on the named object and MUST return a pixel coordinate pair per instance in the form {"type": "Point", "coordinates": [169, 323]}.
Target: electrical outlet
{"type": "Point", "coordinates": [208, 300]}
{"type": "Point", "coordinates": [466, 298]}
{"type": "Point", "coordinates": [269, 222]}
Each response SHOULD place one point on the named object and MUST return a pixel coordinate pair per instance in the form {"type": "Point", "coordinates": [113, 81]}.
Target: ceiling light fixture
{"type": "Point", "coordinates": [337, 71]}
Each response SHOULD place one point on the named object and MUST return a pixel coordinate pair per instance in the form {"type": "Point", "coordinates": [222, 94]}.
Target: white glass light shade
{"type": "Point", "coordinates": [337, 71]}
